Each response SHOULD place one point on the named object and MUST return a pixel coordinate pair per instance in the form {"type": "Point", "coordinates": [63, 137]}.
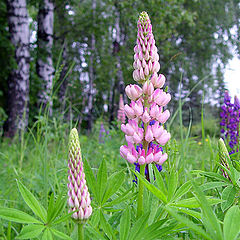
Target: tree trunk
{"type": "Point", "coordinates": [91, 75]}
{"type": "Point", "coordinates": [62, 80]}
{"type": "Point", "coordinates": [119, 77]}
{"type": "Point", "coordinates": [18, 81]}
{"type": "Point", "coordinates": [44, 65]}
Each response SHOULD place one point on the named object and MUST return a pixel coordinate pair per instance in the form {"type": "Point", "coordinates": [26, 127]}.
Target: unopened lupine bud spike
{"type": "Point", "coordinates": [77, 188]}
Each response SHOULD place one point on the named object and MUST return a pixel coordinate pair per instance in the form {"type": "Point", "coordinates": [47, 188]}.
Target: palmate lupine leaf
{"type": "Point", "coordinates": [102, 180]}
{"type": "Point", "coordinates": [15, 215]}
{"type": "Point", "coordinates": [231, 226]}
{"type": "Point", "coordinates": [194, 202]}
{"type": "Point", "coordinates": [31, 231]}
{"type": "Point", "coordinates": [228, 197]}
{"type": "Point", "coordinates": [114, 182]}
{"type": "Point", "coordinates": [125, 223]}
{"type": "Point", "coordinates": [172, 183]}
{"type": "Point", "coordinates": [210, 220]}
{"type": "Point", "coordinates": [107, 228]}
{"type": "Point", "coordinates": [139, 227]}
{"type": "Point", "coordinates": [187, 222]}
{"type": "Point", "coordinates": [60, 235]}
{"type": "Point", "coordinates": [157, 192]}
{"type": "Point", "coordinates": [212, 185]}
{"type": "Point", "coordinates": [159, 180]}
{"type": "Point", "coordinates": [185, 188]}
{"type": "Point", "coordinates": [47, 235]}
{"type": "Point", "coordinates": [90, 178]}
{"type": "Point", "coordinates": [32, 202]}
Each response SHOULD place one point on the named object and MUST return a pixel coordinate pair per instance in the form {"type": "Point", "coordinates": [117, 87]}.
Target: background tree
{"type": "Point", "coordinates": [44, 66]}
{"type": "Point", "coordinates": [18, 80]}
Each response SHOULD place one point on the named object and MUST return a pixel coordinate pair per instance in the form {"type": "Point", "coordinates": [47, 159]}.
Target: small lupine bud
{"type": "Point", "coordinates": [223, 156]}
{"type": "Point", "coordinates": [77, 188]}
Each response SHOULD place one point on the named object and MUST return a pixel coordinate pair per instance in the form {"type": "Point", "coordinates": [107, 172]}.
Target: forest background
{"type": "Point", "coordinates": [74, 58]}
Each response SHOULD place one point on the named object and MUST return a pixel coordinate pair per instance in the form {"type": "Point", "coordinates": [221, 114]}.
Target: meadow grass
{"type": "Point", "coordinates": [39, 161]}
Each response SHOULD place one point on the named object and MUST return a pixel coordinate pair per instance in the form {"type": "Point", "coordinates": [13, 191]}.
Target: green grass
{"type": "Point", "coordinates": [40, 162]}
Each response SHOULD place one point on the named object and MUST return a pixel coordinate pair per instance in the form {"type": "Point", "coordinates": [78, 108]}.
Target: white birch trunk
{"type": "Point", "coordinates": [44, 66]}
{"type": "Point", "coordinates": [91, 74]}
{"type": "Point", "coordinates": [18, 82]}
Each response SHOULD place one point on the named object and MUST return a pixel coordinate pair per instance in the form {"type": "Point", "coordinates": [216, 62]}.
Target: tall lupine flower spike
{"type": "Point", "coordinates": [121, 114]}
{"type": "Point", "coordinates": [230, 122]}
{"type": "Point", "coordinates": [144, 132]}
{"type": "Point", "coordinates": [145, 112]}
{"type": "Point", "coordinates": [78, 195]}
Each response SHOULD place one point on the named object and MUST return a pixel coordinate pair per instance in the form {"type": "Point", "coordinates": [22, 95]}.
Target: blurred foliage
{"type": "Point", "coordinates": [193, 45]}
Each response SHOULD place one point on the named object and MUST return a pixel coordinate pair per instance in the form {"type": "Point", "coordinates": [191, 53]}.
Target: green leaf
{"type": "Point", "coordinates": [188, 223]}
{"type": "Point", "coordinates": [58, 207]}
{"type": "Point", "coordinates": [154, 231]}
{"type": "Point", "coordinates": [210, 221]}
{"type": "Point", "coordinates": [182, 190]}
{"type": "Point", "coordinates": [159, 181]}
{"type": "Point", "coordinates": [60, 234]}
{"type": "Point", "coordinates": [189, 212]}
{"type": "Point", "coordinates": [114, 182]}
{"type": "Point", "coordinates": [95, 232]}
{"type": "Point", "coordinates": [194, 203]}
{"type": "Point", "coordinates": [228, 196]}
{"type": "Point", "coordinates": [125, 224]}
{"type": "Point", "coordinates": [31, 231]}
{"type": "Point", "coordinates": [47, 235]}
{"type": "Point", "coordinates": [106, 226]}
{"type": "Point", "coordinates": [172, 183]}
{"type": "Point", "coordinates": [32, 202]}
{"type": "Point", "coordinates": [125, 196]}
{"type": "Point", "coordinates": [15, 215]}
{"type": "Point", "coordinates": [157, 192]}
{"type": "Point", "coordinates": [138, 227]}
{"type": "Point", "coordinates": [102, 179]}
{"type": "Point", "coordinates": [212, 185]}
{"type": "Point", "coordinates": [231, 226]}
{"type": "Point", "coordinates": [213, 175]}
{"type": "Point", "coordinates": [95, 218]}
{"type": "Point", "coordinates": [90, 178]}
{"type": "Point", "coordinates": [50, 207]}
{"type": "Point", "coordinates": [63, 218]}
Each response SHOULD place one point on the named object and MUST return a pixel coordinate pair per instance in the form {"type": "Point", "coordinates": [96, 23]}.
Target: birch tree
{"type": "Point", "coordinates": [18, 81]}
{"type": "Point", "coordinates": [44, 65]}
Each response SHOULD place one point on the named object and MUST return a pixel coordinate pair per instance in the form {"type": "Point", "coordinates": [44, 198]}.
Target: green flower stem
{"type": "Point", "coordinates": [80, 231]}
{"type": "Point", "coordinates": [140, 193]}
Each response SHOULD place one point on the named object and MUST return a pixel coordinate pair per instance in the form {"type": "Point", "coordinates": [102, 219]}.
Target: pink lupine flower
{"type": "Point", "coordinates": [146, 113]}
{"type": "Point", "coordinates": [79, 197]}
{"type": "Point", "coordinates": [121, 114]}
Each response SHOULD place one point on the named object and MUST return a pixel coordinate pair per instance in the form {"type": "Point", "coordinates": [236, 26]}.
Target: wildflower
{"type": "Point", "coordinates": [79, 197]}
{"type": "Point", "coordinates": [121, 115]}
{"type": "Point", "coordinates": [144, 132]}
{"type": "Point", "coordinates": [230, 116]}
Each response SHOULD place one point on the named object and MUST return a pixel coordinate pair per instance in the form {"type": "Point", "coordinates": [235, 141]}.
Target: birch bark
{"type": "Point", "coordinates": [18, 81]}
{"type": "Point", "coordinates": [91, 74]}
{"type": "Point", "coordinates": [44, 65]}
